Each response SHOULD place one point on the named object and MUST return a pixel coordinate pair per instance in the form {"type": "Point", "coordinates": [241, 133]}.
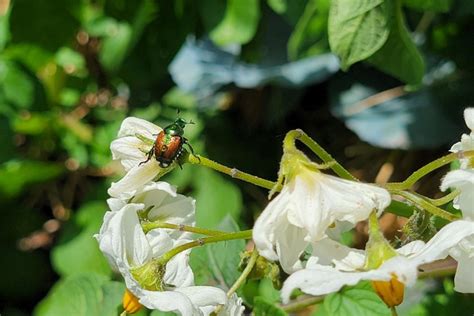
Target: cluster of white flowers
{"type": "Point", "coordinates": [300, 219]}
{"type": "Point", "coordinates": [137, 199]}
{"type": "Point", "coordinates": [306, 217]}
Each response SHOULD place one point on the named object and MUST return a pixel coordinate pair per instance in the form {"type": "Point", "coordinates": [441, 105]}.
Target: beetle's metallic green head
{"type": "Point", "coordinates": [177, 128]}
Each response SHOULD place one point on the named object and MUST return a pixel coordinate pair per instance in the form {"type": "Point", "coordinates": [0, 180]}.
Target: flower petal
{"type": "Point", "coordinates": [203, 296]}
{"type": "Point", "coordinates": [121, 237]}
{"type": "Point", "coordinates": [330, 252]}
{"type": "Point", "coordinates": [462, 180]}
{"type": "Point", "coordinates": [130, 150]}
{"type": "Point", "coordinates": [323, 199]}
{"type": "Point", "coordinates": [133, 125]}
{"type": "Point", "coordinates": [169, 301]}
{"type": "Point", "coordinates": [469, 118]}
{"type": "Point", "coordinates": [136, 177]}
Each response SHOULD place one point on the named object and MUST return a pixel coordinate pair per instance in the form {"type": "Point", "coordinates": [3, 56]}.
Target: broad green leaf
{"type": "Point", "coordinates": [17, 175]}
{"type": "Point", "coordinates": [264, 307]}
{"type": "Point", "coordinates": [399, 56]}
{"type": "Point", "coordinates": [239, 24]}
{"type": "Point", "coordinates": [429, 5]}
{"type": "Point", "coordinates": [310, 34]}
{"type": "Point", "coordinates": [357, 29]}
{"type": "Point", "coordinates": [359, 300]}
{"type": "Point", "coordinates": [77, 251]}
{"type": "Point", "coordinates": [16, 85]}
{"type": "Point", "coordinates": [83, 295]}
{"type": "Point", "coordinates": [217, 263]}
{"type": "Point", "coordinates": [216, 197]}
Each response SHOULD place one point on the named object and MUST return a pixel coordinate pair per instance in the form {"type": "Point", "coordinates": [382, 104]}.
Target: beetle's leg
{"type": "Point", "coordinates": [149, 155]}
{"type": "Point", "coordinates": [185, 141]}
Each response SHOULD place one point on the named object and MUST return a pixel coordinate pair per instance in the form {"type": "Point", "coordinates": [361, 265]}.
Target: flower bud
{"type": "Point", "coordinates": [391, 292]}
{"type": "Point", "coordinates": [130, 303]}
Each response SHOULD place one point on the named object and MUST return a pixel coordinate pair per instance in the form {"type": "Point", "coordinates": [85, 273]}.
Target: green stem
{"type": "Point", "coordinates": [243, 276]}
{"type": "Point", "coordinates": [147, 226]}
{"type": "Point", "coordinates": [298, 134]}
{"type": "Point", "coordinates": [394, 311]}
{"type": "Point", "coordinates": [233, 172]}
{"type": "Point", "coordinates": [246, 234]}
{"type": "Point", "coordinates": [424, 204]}
{"type": "Point", "coordinates": [302, 303]}
{"type": "Point", "coordinates": [442, 200]}
{"type": "Point", "coordinates": [420, 173]}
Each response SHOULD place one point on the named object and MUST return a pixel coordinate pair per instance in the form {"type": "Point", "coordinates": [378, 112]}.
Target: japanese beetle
{"type": "Point", "coordinates": [169, 143]}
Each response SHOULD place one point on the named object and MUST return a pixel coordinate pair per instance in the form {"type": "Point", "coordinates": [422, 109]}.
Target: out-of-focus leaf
{"type": "Point", "coordinates": [217, 263]}
{"type": "Point", "coordinates": [32, 56]}
{"type": "Point", "coordinates": [50, 24]}
{"type": "Point", "coordinates": [399, 56]}
{"type": "Point", "coordinates": [33, 124]}
{"type": "Point", "coordinates": [6, 139]}
{"type": "Point", "coordinates": [103, 136]}
{"type": "Point", "coordinates": [16, 85]}
{"type": "Point", "coordinates": [425, 118]}
{"type": "Point", "coordinates": [357, 28]}
{"type": "Point", "coordinates": [202, 68]}
{"type": "Point", "coordinates": [71, 61]}
{"type": "Point", "coordinates": [4, 27]}
{"type": "Point", "coordinates": [83, 295]}
{"type": "Point", "coordinates": [428, 5]}
{"type": "Point", "coordinates": [239, 24]}
{"type": "Point", "coordinates": [359, 300]}
{"type": "Point", "coordinates": [17, 175]}
{"type": "Point", "coordinates": [310, 34]}
{"type": "Point", "coordinates": [264, 307]}
{"type": "Point", "coordinates": [216, 198]}
{"type": "Point", "coordinates": [77, 251]}
{"type": "Point", "coordinates": [279, 6]}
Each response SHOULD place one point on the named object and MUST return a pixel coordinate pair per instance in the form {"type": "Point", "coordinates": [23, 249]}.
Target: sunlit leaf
{"type": "Point", "coordinates": [399, 56]}
{"type": "Point", "coordinates": [239, 24]}
{"type": "Point", "coordinates": [77, 250]}
{"type": "Point", "coordinates": [357, 28]}
{"type": "Point", "coordinates": [83, 295]}
{"type": "Point", "coordinates": [358, 300]}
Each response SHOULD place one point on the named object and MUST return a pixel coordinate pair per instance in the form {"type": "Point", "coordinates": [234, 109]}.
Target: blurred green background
{"type": "Point", "coordinates": [246, 71]}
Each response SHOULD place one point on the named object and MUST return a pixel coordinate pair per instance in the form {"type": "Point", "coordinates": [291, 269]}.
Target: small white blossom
{"type": "Point", "coordinates": [463, 180]}
{"type": "Point", "coordinates": [339, 265]}
{"type": "Point", "coordinates": [233, 307]}
{"type": "Point", "coordinates": [309, 203]}
{"type": "Point", "coordinates": [467, 140]}
{"type": "Point", "coordinates": [127, 247]}
{"type": "Point", "coordinates": [134, 140]}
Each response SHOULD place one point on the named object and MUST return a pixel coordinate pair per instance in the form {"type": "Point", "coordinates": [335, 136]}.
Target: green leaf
{"type": "Point", "coordinates": [359, 300]}
{"type": "Point", "coordinates": [218, 262]}
{"type": "Point", "coordinates": [16, 85]}
{"type": "Point", "coordinates": [83, 295]}
{"type": "Point", "coordinates": [399, 56]}
{"type": "Point", "coordinates": [264, 307]}
{"type": "Point", "coordinates": [310, 34]}
{"type": "Point", "coordinates": [239, 24]}
{"type": "Point", "coordinates": [33, 124]}
{"type": "Point", "coordinates": [429, 5]}
{"type": "Point", "coordinates": [279, 6]}
{"type": "Point", "coordinates": [17, 175]}
{"type": "Point", "coordinates": [216, 197]}
{"type": "Point", "coordinates": [357, 29]}
{"type": "Point", "coordinates": [77, 251]}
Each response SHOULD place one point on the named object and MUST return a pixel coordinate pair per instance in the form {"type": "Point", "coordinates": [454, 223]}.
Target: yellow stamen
{"type": "Point", "coordinates": [130, 303]}
{"type": "Point", "coordinates": [391, 292]}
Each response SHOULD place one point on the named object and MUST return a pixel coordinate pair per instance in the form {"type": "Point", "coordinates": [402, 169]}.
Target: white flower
{"type": "Point", "coordinates": [135, 139]}
{"type": "Point", "coordinates": [467, 141]}
{"type": "Point", "coordinates": [308, 204]}
{"type": "Point", "coordinates": [233, 307]}
{"type": "Point", "coordinates": [463, 180]}
{"type": "Point", "coordinates": [127, 247]}
{"type": "Point", "coordinates": [346, 268]}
